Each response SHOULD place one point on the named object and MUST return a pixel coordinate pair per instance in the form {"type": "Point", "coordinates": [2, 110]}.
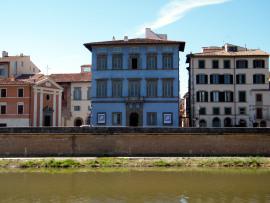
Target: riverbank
{"type": "Point", "coordinates": [137, 162]}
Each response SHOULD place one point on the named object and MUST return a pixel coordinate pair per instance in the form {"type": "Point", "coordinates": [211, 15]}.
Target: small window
{"type": "Point", "coordinates": [216, 111]}
{"type": "Point", "coordinates": [242, 96]}
{"type": "Point", "coordinates": [227, 64]}
{"type": "Point", "coordinates": [117, 118]}
{"type": "Point", "coordinates": [117, 87]}
{"type": "Point", "coordinates": [242, 64]}
{"type": "Point", "coordinates": [167, 87]}
{"type": "Point", "coordinates": [151, 61]}
{"type": "Point", "coordinates": [259, 98]}
{"type": "Point", "coordinates": [134, 61]}
{"type": "Point", "coordinates": [101, 90]}
{"type": "Point", "coordinates": [101, 62]}
{"type": "Point", "coordinates": [20, 108]}
{"type": "Point", "coordinates": [134, 87]}
{"type": "Point", "coordinates": [215, 96]}
{"type": "Point", "coordinates": [202, 96]}
{"type": "Point", "coordinates": [117, 61]}
{"type": "Point", "coordinates": [77, 108]}
{"type": "Point", "coordinates": [201, 64]}
{"type": "Point", "coordinates": [227, 111]}
{"type": "Point", "coordinates": [167, 61]}
{"type": "Point", "coordinates": [151, 87]}
{"type": "Point", "coordinates": [258, 79]}
{"type": "Point", "coordinates": [3, 92]}
{"type": "Point", "coordinates": [89, 93]}
{"type": "Point", "coordinates": [258, 64]}
{"type": "Point", "coordinates": [151, 118]}
{"type": "Point", "coordinates": [20, 92]}
{"type": "Point", "coordinates": [215, 64]}
{"type": "Point", "coordinates": [202, 111]}
{"type": "Point", "coordinates": [77, 94]}
{"type": "Point", "coordinates": [3, 109]}
{"type": "Point", "coordinates": [240, 79]}
{"type": "Point", "coordinates": [242, 110]}
{"type": "Point", "coordinates": [201, 79]}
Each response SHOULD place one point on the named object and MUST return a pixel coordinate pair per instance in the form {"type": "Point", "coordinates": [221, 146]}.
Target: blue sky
{"type": "Point", "coordinates": [53, 32]}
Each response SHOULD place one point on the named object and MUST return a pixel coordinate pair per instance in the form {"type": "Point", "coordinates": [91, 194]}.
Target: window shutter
{"type": "Point", "coordinates": [206, 79]}
{"type": "Point", "coordinates": [211, 97]}
{"type": "Point", "coordinates": [206, 95]}
{"type": "Point", "coordinates": [231, 79]}
{"type": "Point", "coordinates": [197, 79]}
{"type": "Point", "coordinates": [198, 96]}
{"type": "Point", "coordinates": [221, 79]}
{"type": "Point", "coordinates": [211, 79]}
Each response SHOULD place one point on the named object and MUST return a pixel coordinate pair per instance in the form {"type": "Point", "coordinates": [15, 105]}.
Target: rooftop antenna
{"type": "Point", "coordinates": [47, 70]}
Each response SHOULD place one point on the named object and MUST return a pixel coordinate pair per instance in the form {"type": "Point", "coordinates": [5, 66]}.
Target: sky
{"type": "Point", "coordinates": [53, 32]}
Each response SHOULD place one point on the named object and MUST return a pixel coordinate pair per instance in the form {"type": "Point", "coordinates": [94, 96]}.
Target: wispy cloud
{"type": "Point", "coordinates": [175, 10]}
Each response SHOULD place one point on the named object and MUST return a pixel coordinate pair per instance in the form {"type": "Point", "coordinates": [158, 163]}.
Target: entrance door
{"type": "Point", "coordinates": [47, 120]}
{"type": "Point", "coordinates": [134, 119]}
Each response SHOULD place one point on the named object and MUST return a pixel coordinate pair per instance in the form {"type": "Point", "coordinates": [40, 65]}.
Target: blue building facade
{"type": "Point", "coordinates": [135, 82]}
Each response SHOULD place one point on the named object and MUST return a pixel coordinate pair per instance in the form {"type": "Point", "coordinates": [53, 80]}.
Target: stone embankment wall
{"type": "Point", "coordinates": [134, 142]}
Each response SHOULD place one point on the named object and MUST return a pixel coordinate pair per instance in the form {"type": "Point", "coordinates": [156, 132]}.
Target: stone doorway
{"type": "Point", "coordinates": [47, 118]}
{"type": "Point", "coordinates": [134, 119]}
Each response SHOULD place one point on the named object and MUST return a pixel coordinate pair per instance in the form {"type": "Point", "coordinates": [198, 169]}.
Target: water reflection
{"type": "Point", "coordinates": [136, 186]}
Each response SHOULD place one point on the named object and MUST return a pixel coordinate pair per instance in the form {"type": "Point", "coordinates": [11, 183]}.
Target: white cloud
{"type": "Point", "coordinates": [175, 10]}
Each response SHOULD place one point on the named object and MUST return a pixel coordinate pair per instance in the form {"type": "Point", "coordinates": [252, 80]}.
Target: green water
{"type": "Point", "coordinates": [153, 185]}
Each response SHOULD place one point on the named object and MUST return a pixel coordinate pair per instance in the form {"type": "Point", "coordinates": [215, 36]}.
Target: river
{"type": "Point", "coordinates": [151, 186]}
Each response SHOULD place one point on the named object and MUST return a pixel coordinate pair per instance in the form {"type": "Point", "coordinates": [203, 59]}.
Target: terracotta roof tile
{"type": "Point", "coordinates": [12, 81]}
{"type": "Point", "coordinates": [136, 41]}
{"type": "Point", "coordinates": [71, 77]}
{"type": "Point", "coordinates": [252, 52]}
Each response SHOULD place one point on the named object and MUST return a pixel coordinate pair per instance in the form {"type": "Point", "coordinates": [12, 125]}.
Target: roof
{"type": "Point", "coordinates": [136, 41]}
{"type": "Point", "coordinates": [12, 81]}
{"type": "Point", "coordinates": [249, 52]}
{"type": "Point", "coordinates": [72, 77]}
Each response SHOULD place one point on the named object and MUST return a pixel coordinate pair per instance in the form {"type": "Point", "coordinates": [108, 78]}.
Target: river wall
{"type": "Point", "coordinates": [86, 141]}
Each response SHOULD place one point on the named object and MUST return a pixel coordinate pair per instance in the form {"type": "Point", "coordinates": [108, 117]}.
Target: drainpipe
{"type": "Point", "coordinates": [234, 86]}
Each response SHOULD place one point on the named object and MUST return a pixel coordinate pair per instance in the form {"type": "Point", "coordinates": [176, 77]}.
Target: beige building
{"type": "Point", "coordinates": [14, 66]}
{"type": "Point", "coordinates": [229, 87]}
{"type": "Point", "coordinates": [76, 104]}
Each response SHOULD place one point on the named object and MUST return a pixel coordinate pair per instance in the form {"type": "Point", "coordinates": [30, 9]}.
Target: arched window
{"type": "Point", "coordinates": [203, 123]}
{"type": "Point", "coordinates": [216, 122]}
{"type": "Point", "coordinates": [78, 122]}
{"type": "Point", "coordinates": [227, 122]}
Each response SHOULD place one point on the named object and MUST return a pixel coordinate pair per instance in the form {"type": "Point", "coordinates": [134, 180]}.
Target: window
{"type": "Point", "coordinates": [242, 96]}
{"type": "Point", "coordinates": [214, 96]}
{"type": "Point", "coordinates": [227, 64]}
{"type": "Point", "coordinates": [202, 96]}
{"type": "Point", "coordinates": [228, 79]}
{"type": "Point", "coordinates": [22, 63]}
{"type": "Point", "coordinates": [259, 98]}
{"type": "Point", "coordinates": [201, 64]}
{"type": "Point", "coordinates": [215, 64]}
{"type": "Point", "coordinates": [3, 92]}
{"type": "Point", "coordinates": [134, 88]}
{"type": "Point", "coordinates": [151, 61]}
{"type": "Point", "coordinates": [258, 79]}
{"type": "Point", "coordinates": [259, 113]}
{"type": "Point", "coordinates": [101, 62]}
{"type": "Point", "coordinates": [216, 111]}
{"type": "Point", "coordinates": [20, 108]}
{"type": "Point", "coordinates": [202, 111]}
{"type": "Point", "coordinates": [167, 61]}
{"type": "Point", "coordinates": [228, 96]}
{"type": "Point", "coordinates": [241, 64]}
{"type": "Point", "coordinates": [241, 79]}
{"type": "Point", "coordinates": [116, 118]}
{"type": "Point", "coordinates": [134, 61]}
{"type": "Point", "coordinates": [151, 118]}
{"type": "Point", "coordinates": [89, 93]}
{"type": "Point", "coordinates": [216, 122]}
{"type": "Point", "coordinates": [242, 110]}
{"type": "Point", "coordinates": [167, 87]}
{"type": "Point", "coordinates": [152, 88]}
{"type": "Point", "coordinates": [117, 61]}
{"type": "Point", "coordinates": [203, 123]}
{"type": "Point", "coordinates": [77, 94]}
{"type": "Point", "coordinates": [47, 97]}
{"type": "Point", "coordinates": [3, 109]}
{"type": "Point", "coordinates": [227, 110]}
{"type": "Point", "coordinates": [77, 108]}
{"type": "Point", "coordinates": [20, 92]}
{"type": "Point", "coordinates": [101, 88]}
{"type": "Point", "coordinates": [201, 79]}
{"type": "Point", "coordinates": [214, 79]}
{"type": "Point", "coordinates": [117, 88]}
{"type": "Point", "coordinates": [258, 64]}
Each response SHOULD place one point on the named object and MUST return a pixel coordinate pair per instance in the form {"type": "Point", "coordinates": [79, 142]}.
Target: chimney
{"type": "Point", "coordinates": [113, 39]}
{"type": "Point", "coordinates": [126, 38]}
{"type": "Point", "coordinates": [4, 54]}
{"type": "Point", "coordinates": [21, 54]}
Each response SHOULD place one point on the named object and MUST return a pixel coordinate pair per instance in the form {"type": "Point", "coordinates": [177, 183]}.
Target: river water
{"type": "Point", "coordinates": [151, 186]}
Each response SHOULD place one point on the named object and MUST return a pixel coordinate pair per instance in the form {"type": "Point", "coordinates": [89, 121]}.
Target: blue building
{"type": "Point", "coordinates": [135, 82]}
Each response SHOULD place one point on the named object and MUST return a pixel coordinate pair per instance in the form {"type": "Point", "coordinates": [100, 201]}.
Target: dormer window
{"type": "Point", "coordinates": [232, 49]}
